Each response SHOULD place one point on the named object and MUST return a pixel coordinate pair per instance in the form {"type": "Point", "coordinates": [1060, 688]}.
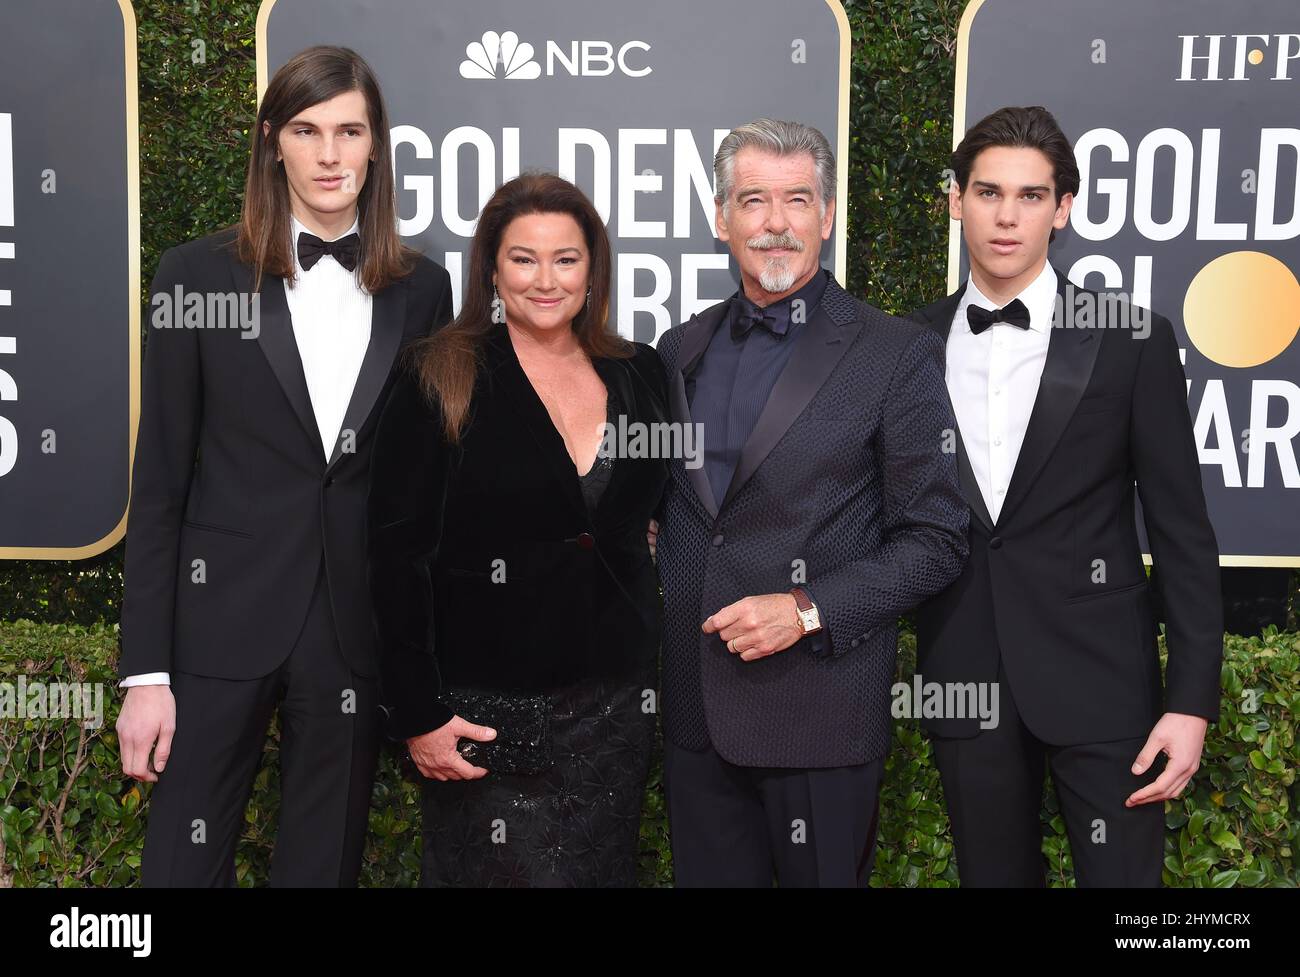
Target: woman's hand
{"type": "Point", "coordinates": [652, 537]}
{"type": "Point", "coordinates": [435, 752]}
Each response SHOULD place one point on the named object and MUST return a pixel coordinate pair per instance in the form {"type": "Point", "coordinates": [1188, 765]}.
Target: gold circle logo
{"type": "Point", "coordinates": [1242, 309]}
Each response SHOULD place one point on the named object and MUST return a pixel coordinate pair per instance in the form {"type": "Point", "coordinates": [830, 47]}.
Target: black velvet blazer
{"type": "Point", "coordinates": [486, 570]}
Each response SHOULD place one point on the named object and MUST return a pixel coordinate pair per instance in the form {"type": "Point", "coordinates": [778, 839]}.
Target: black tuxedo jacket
{"type": "Point", "coordinates": [1079, 650]}
{"type": "Point", "coordinates": [229, 470]}
{"type": "Point", "coordinates": [488, 572]}
{"type": "Point", "coordinates": [844, 472]}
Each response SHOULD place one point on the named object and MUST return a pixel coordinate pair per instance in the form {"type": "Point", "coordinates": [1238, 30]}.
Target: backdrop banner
{"type": "Point", "coordinates": [69, 276]}
{"type": "Point", "coordinates": [628, 99]}
{"type": "Point", "coordinates": [1183, 115]}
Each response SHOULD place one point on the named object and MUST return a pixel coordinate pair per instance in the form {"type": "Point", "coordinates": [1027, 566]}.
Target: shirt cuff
{"type": "Point", "coordinates": [145, 678]}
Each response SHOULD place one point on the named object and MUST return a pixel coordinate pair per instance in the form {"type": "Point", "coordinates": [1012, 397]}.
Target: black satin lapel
{"type": "Point", "coordinates": [275, 337]}
{"type": "Point", "coordinates": [388, 312]}
{"type": "Point", "coordinates": [693, 481]}
{"type": "Point", "coordinates": [698, 335]}
{"type": "Point", "coordinates": [536, 420]}
{"type": "Point", "coordinates": [1071, 354]}
{"type": "Point", "coordinates": [819, 348]}
{"type": "Point", "coordinates": [970, 486]}
{"type": "Point", "coordinates": [939, 316]}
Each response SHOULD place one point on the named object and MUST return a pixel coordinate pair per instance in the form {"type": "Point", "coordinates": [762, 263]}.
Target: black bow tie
{"type": "Point", "coordinates": [751, 317]}
{"type": "Point", "coordinates": [980, 319]}
{"type": "Point", "coordinates": [311, 249]}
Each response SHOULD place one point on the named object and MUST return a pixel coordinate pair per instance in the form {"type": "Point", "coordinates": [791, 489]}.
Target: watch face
{"type": "Point", "coordinates": [809, 619]}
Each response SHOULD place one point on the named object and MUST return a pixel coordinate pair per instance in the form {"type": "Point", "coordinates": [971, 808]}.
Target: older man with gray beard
{"type": "Point", "coordinates": [826, 506]}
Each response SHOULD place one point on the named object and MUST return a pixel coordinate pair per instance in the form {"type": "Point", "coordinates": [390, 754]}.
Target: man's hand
{"type": "Point", "coordinates": [146, 723]}
{"type": "Point", "coordinates": [755, 627]}
{"type": "Point", "coordinates": [652, 537]}
{"type": "Point", "coordinates": [437, 757]}
{"type": "Point", "coordinates": [1179, 737]}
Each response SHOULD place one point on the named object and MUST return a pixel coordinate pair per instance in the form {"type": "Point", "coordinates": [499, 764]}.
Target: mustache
{"type": "Point", "coordinates": [766, 242]}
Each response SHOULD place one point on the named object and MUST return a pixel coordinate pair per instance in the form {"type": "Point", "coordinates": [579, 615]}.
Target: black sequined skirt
{"type": "Point", "coordinates": [576, 825]}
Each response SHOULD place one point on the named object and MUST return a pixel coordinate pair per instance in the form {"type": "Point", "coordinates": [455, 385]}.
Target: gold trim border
{"type": "Point", "coordinates": [954, 246]}
{"type": "Point", "coordinates": [259, 48]}
{"type": "Point", "coordinates": [132, 95]}
{"type": "Point", "coordinates": [842, 147]}
{"type": "Point", "coordinates": [959, 130]}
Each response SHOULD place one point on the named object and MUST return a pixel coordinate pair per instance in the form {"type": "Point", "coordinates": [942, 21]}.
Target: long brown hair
{"type": "Point", "coordinates": [308, 78]}
{"type": "Point", "coordinates": [448, 361]}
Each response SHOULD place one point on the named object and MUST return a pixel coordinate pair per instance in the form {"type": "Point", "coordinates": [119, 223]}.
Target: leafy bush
{"type": "Point", "coordinates": [68, 816]}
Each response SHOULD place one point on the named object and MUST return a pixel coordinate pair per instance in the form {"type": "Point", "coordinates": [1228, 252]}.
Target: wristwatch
{"type": "Point", "coordinates": [809, 619]}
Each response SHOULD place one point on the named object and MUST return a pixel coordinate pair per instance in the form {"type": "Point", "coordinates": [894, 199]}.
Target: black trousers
{"type": "Point", "coordinates": [329, 745]}
{"type": "Point", "coordinates": [736, 826]}
{"type": "Point", "coordinates": [993, 785]}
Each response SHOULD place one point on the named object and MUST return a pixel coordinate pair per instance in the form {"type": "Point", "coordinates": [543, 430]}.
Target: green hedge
{"type": "Point", "coordinates": [70, 818]}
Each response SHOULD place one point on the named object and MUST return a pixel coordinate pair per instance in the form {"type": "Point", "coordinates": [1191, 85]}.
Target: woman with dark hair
{"type": "Point", "coordinates": [245, 549]}
{"type": "Point", "coordinates": [515, 595]}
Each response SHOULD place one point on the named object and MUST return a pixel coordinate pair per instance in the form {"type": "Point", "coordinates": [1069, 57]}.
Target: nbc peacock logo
{"type": "Point", "coordinates": [500, 56]}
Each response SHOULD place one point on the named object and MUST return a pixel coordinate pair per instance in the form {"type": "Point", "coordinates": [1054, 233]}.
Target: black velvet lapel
{"type": "Point", "coordinates": [505, 370]}
{"type": "Point", "coordinates": [618, 381]}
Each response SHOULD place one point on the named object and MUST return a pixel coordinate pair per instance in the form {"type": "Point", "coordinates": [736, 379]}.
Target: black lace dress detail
{"type": "Point", "coordinates": [576, 825]}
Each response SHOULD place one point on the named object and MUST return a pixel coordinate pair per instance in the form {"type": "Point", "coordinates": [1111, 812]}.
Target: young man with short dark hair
{"type": "Point", "coordinates": [1061, 417]}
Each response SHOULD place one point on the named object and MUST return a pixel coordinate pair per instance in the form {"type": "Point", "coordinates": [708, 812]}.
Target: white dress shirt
{"type": "Point", "coordinates": [330, 312]}
{"type": "Point", "coordinates": [993, 382]}
{"type": "Point", "coordinates": [331, 323]}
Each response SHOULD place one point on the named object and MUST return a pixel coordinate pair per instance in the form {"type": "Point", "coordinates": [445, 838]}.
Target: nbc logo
{"type": "Point", "coordinates": [499, 56]}
{"type": "Point", "coordinates": [505, 56]}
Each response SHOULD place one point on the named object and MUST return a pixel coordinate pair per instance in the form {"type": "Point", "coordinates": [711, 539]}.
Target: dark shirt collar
{"type": "Point", "coordinates": [810, 294]}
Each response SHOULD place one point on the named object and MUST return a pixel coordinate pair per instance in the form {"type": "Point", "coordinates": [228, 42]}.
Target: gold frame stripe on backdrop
{"type": "Point", "coordinates": [132, 87]}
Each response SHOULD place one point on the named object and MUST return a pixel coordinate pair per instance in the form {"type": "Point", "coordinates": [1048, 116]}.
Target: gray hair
{"type": "Point", "coordinates": [783, 139]}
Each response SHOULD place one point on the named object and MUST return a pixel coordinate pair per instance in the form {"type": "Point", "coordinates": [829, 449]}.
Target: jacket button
{"type": "Point", "coordinates": [586, 540]}
{"type": "Point", "coordinates": [995, 543]}
{"type": "Point", "coordinates": [329, 481]}
{"type": "Point", "coordinates": [855, 642]}
{"type": "Point", "coordinates": [717, 540]}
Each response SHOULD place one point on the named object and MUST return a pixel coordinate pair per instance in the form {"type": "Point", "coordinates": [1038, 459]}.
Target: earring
{"type": "Point", "coordinates": [498, 307]}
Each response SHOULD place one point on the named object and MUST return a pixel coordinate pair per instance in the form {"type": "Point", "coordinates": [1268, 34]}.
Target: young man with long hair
{"type": "Point", "coordinates": [246, 586]}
